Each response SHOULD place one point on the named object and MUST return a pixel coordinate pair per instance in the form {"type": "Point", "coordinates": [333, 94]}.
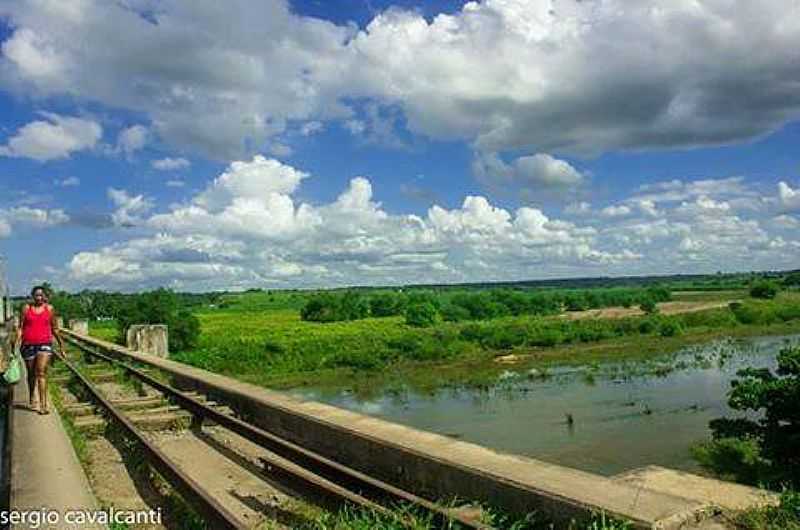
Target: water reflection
{"type": "Point", "coordinates": [604, 418]}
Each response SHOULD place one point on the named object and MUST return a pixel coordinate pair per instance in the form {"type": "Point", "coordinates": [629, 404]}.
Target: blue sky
{"type": "Point", "coordinates": [310, 144]}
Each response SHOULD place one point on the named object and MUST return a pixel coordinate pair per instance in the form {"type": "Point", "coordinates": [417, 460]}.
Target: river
{"type": "Point", "coordinates": [623, 415]}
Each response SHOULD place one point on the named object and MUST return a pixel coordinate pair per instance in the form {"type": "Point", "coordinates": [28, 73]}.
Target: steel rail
{"type": "Point", "coordinates": [217, 515]}
{"type": "Point", "coordinates": [343, 476]}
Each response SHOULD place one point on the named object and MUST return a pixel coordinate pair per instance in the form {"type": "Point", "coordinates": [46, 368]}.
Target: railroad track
{"type": "Point", "coordinates": [303, 471]}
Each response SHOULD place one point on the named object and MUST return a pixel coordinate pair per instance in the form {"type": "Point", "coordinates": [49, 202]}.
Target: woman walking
{"type": "Point", "coordinates": [37, 327]}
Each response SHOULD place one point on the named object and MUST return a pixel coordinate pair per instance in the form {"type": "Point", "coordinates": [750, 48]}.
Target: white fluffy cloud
{"type": "Point", "coordinates": [615, 211]}
{"type": "Point", "coordinates": [129, 208]}
{"type": "Point", "coordinates": [132, 139]}
{"type": "Point", "coordinates": [529, 173]}
{"type": "Point", "coordinates": [247, 227]}
{"type": "Point", "coordinates": [789, 198]}
{"type": "Point", "coordinates": [563, 76]}
{"type": "Point", "coordinates": [170, 164]}
{"type": "Point", "coordinates": [25, 216]}
{"type": "Point", "coordinates": [211, 77]}
{"type": "Point", "coordinates": [68, 182]}
{"type": "Point", "coordinates": [57, 137]}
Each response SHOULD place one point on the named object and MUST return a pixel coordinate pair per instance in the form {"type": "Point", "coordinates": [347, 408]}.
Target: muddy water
{"type": "Point", "coordinates": [623, 415]}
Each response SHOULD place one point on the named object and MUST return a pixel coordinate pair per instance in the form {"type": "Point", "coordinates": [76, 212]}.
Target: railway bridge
{"type": "Point", "coordinates": [267, 441]}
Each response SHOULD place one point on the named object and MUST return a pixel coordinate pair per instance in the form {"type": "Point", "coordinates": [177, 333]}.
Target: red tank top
{"type": "Point", "coordinates": [36, 327]}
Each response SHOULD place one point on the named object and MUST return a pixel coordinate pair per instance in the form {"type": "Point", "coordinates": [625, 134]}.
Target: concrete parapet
{"type": "Point", "coordinates": [149, 338]}
{"type": "Point", "coordinates": [79, 325]}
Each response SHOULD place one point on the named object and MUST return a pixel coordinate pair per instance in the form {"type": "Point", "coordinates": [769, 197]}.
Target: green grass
{"type": "Point", "coordinates": [309, 517]}
{"type": "Point", "coordinates": [786, 516]}
{"type": "Point", "coordinates": [274, 347]}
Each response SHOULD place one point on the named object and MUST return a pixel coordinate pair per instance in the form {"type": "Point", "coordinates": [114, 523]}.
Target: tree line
{"type": "Point", "coordinates": [423, 308]}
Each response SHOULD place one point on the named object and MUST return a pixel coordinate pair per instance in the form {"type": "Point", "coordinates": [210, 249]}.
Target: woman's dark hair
{"type": "Point", "coordinates": [37, 287]}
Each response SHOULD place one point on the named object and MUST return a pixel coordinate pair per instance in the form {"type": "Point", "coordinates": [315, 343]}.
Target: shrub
{"type": "Point", "coordinates": [753, 313]}
{"type": "Point", "coordinates": [323, 307]}
{"type": "Point", "coordinates": [764, 289]}
{"type": "Point", "coordinates": [455, 313]}
{"type": "Point", "coordinates": [160, 307]}
{"type": "Point", "coordinates": [647, 326]}
{"type": "Point", "coordinates": [385, 305]}
{"type": "Point", "coordinates": [421, 314]}
{"type": "Point", "coordinates": [670, 327]}
{"type": "Point", "coordinates": [506, 337]}
{"type": "Point", "coordinates": [353, 306]}
{"type": "Point", "coordinates": [473, 333]}
{"type": "Point", "coordinates": [732, 458]}
{"type": "Point", "coordinates": [649, 306]}
{"type": "Point", "coordinates": [772, 401]}
{"type": "Point", "coordinates": [329, 307]}
{"type": "Point", "coordinates": [184, 331]}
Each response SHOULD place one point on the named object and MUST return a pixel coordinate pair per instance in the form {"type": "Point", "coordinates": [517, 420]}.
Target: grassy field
{"type": "Point", "coordinates": [259, 337]}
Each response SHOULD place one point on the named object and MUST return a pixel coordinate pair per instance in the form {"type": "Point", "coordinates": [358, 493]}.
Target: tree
{"type": "Point", "coordinates": [649, 306]}
{"type": "Point", "coordinates": [160, 307]}
{"type": "Point", "coordinates": [421, 314]}
{"type": "Point", "coordinates": [761, 447]}
{"type": "Point", "coordinates": [323, 307]}
{"type": "Point", "coordinates": [792, 280]}
{"type": "Point", "coordinates": [384, 305]}
{"type": "Point", "coordinates": [764, 289]}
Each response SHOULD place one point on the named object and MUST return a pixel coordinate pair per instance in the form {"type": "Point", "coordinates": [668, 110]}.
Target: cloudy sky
{"type": "Point", "coordinates": [276, 143]}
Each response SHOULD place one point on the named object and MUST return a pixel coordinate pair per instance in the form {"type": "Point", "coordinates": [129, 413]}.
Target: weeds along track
{"type": "Point", "coordinates": [283, 464]}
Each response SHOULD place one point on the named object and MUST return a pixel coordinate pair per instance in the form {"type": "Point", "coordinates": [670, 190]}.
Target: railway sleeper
{"type": "Point", "coordinates": [95, 425]}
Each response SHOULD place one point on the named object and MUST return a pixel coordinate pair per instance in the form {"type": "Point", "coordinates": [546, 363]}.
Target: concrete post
{"type": "Point", "coordinates": [60, 322]}
{"type": "Point", "coordinates": [149, 338]}
{"type": "Point", "coordinates": [79, 325]}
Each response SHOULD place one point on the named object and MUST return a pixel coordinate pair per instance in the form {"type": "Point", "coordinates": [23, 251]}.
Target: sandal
{"type": "Point", "coordinates": [44, 412]}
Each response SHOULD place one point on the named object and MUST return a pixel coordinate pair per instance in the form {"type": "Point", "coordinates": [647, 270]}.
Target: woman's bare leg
{"type": "Point", "coordinates": [42, 361]}
{"type": "Point", "coordinates": [30, 371]}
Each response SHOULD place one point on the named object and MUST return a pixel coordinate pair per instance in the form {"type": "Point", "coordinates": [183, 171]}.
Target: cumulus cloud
{"type": "Point", "coordinates": [578, 208]}
{"type": "Point", "coordinates": [311, 127]}
{"type": "Point", "coordinates": [170, 164]}
{"type": "Point", "coordinates": [68, 182]}
{"type": "Point", "coordinates": [53, 138]}
{"type": "Point", "coordinates": [129, 208]}
{"type": "Point", "coordinates": [527, 172]}
{"type": "Point", "coordinates": [247, 227]}
{"type": "Point", "coordinates": [211, 78]}
{"type": "Point", "coordinates": [25, 216]}
{"type": "Point", "coordinates": [132, 139]}
{"type": "Point", "coordinates": [789, 198]}
{"type": "Point", "coordinates": [561, 79]}
{"type": "Point", "coordinates": [615, 211]}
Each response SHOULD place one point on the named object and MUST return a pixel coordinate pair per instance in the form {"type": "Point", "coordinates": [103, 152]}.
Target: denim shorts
{"type": "Point", "coordinates": [30, 351]}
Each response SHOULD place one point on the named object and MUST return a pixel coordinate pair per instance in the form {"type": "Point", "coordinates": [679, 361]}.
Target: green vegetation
{"type": "Point", "coordinates": [265, 347]}
{"type": "Point", "coordinates": [764, 289]}
{"type": "Point", "coordinates": [785, 516]}
{"type": "Point", "coordinates": [160, 307]}
{"type": "Point", "coordinates": [454, 305]}
{"type": "Point", "coordinates": [348, 518]}
{"type": "Point", "coordinates": [760, 448]}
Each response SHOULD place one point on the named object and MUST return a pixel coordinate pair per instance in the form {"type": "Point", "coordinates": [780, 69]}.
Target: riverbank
{"type": "Point", "coordinates": [483, 368]}
{"type": "Point", "coordinates": [275, 348]}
